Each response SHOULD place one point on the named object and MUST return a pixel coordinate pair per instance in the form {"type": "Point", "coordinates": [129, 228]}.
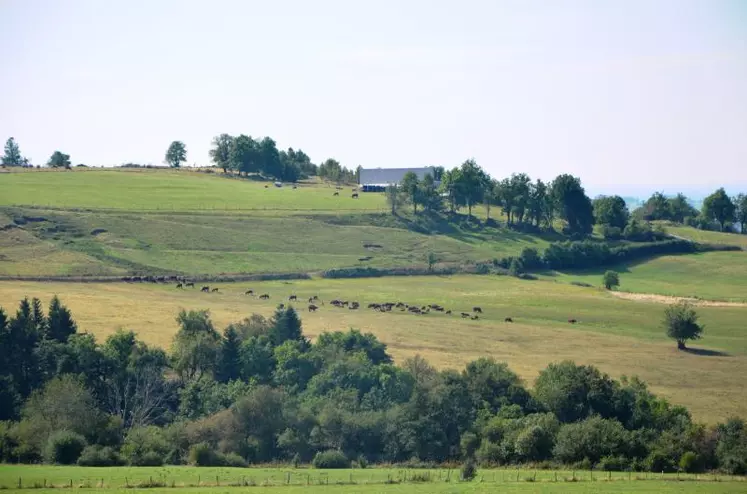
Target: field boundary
{"type": "Point", "coordinates": [671, 299]}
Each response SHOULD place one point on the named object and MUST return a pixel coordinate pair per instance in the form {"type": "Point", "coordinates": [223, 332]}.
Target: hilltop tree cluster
{"type": "Point", "coordinates": [260, 391]}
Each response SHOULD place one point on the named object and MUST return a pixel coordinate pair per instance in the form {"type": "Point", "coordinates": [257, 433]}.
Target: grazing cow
{"type": "Point", "coordinates": [281, 306]}
{"type": "Point", "coordinates": [311, 299]}
{"type": "Point", "coordinates": [214, 290]}
{"type": "Point", "coordinates": [249, 292]}
{"type": "Point", "coordinates": [264, 296]}
{"type": "Point", "coordinates": [205, 289]}
{"type": "Point", "coordinates": [474, 318]}
{"type": "Point", "coordinates": [293, 297]}
{"type": "Point", "coordinates": [465, 315]}
{"type": "Point", "coordinates": [179, 285]}
{"type": "Point", "coordinates": [353, 305]}
{"type": "Point", "coordinates": [312, 308]}
{"type": "Point", "coordinates": [508, 319]}
{"type": "Point", "coordinates": [448, 312]}
{"type": "Point", "coordinates": [572, 321]}
{"type": "Point", "coordinates": [336, 194]}
{"type": "Point", "coordinates": [477, 310]}
{"type": "Point", "coordinates": [267, 186]}
{"type": "Point", "coordinates": [355, 196]}
{"type": "Point", "coordinates": [190, 284]}
{"type": "Point", "coordinates": [295, 186]}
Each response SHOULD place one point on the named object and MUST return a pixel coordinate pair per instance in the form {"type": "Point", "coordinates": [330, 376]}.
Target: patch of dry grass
{"type": "Point", "coordinates": [619, 336]}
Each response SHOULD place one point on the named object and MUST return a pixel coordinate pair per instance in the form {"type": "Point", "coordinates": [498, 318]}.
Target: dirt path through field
{"type": "Point", "coordinates": [667, 299]}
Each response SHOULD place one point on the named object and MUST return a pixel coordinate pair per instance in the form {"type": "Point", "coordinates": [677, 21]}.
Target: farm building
{"type": "Point", "coordinates": [374, 179]}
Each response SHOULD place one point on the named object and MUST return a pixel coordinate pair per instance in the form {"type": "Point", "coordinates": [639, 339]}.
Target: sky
{"type": "Point", "coordinates": [629, 95]}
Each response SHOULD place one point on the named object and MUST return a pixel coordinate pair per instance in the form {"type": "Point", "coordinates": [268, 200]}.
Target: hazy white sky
{"type": "Point", "coordinates": [649, 92]}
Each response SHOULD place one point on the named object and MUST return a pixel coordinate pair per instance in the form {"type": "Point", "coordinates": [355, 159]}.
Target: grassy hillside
{"type": "Point", "coordinates": [619, 336]}
{"type": "Point", "coordinates": [161, 190]}
{"type": "Point", "coordinates": [710, 275]}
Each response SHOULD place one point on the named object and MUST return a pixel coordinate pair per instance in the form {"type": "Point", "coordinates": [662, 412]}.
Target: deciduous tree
{"type": "Point", "coordinates": [59, 160]}
{"type": "Point", "coordinates": [176, 154]}
{"type": "Point", "coordinates": [572, 204]}
{"type": "Point", "coordinates": [740, 202]}
{"type": "Point", "coordinates": [220, 153]}
{"type": "Point", "coordinates": [681, 323]}
{"type": "Point", "coordinates": [611, 279]}
{"type": "Point", "coordinates": [611, 210]}
{"type": "Point", "coordinates": [12, 154]}
{"type": "Point", "coordinates": [718, 206]}
{"type": "Point", "coordinates": [410, 186]}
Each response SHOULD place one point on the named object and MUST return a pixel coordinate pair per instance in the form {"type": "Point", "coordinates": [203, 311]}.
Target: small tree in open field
{"type": "Point", "coordinates": [176, 154]}
{"type": "Point", "coordinates": [681, 323]}
{"type": "Point", "coordinates": [611, 279]}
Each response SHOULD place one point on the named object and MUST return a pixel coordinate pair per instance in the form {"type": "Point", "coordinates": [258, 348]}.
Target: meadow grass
{"type": "Point", "coordinates": [85, 243]}
{"type": "Point", "coordinates": [708, 275]}
{"type": "Point", "coordinates": [621, 337]}
{"type": "Point", "coordinates": [709, 237]}
{"type": "Point", "coordinates": [182, 190]}
{"type": "Point", "coordinates": [208, 479]}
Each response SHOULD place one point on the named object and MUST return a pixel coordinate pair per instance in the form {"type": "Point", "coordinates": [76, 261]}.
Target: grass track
{"type": "Point", "coordinates": [619, 336]}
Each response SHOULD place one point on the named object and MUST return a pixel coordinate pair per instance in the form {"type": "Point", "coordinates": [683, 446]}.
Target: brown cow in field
{"type": "Point", "coordinates": [264, 296]}
{"type": "Point", "coordinates": [249, 292]}
{"type": "Point", "coordinates": [448, 312]}
{"type": "Point", "coordinates": [572, 321]}
{"type": "Point", "coordinates": [214, 290]}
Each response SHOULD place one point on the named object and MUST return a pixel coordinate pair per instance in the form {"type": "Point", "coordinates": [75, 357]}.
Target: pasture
{"type": "Point", "coordinates": [621, 337]}
{"type": "Point", "coordinates": [708, 275]}
{"type": "Point", "coordinates": [167, 190]}
{"type": "Point", "coordinates": [397, 480]}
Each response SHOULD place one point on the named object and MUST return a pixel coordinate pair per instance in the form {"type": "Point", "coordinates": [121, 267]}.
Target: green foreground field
{"type": "Point", "coordinates": [214, 480]}
{"type": "Point", "coordinates": [622, 337]}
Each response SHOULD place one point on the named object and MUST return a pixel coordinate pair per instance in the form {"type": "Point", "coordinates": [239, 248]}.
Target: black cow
{"type": "Point", "coordinates": [179, 285]}
{"type": "Point", "coordinates": [477, 310]}
{"type": "Point", "coordinates": [312, 308]}
{"type": "Point", "coordinates": [205, 289]}
{"type": "Point", "coordinates": [264, 296]}
{"type": "Point", "coordinates": [508, 319]}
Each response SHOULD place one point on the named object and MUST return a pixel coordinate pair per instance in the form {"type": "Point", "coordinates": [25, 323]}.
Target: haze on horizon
{"type": "Point", "coordinates": [628, 95]}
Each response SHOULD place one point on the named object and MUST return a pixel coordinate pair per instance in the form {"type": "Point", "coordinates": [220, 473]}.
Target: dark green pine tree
{"type": "Point", "coordinates": [38, 319]}
{"type": "Point", "coordinates": [60, 323]}
{"type": "Point", "coordinates": [21, 341]}
{"type": "Point", "coordinates": [229, 359]}
{"type": "Point", "coordinates": [286, 325]}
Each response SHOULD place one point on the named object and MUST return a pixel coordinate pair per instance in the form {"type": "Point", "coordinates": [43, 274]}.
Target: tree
{"type": "Point", "coordinates": [611, 279]}
{"type": "Point", "coordinates": [573, 204]}
{"type": "Point", "coordinates": [489, 197]}
{"type": "Point", "coordinates": [60, 323]}
{"type": "Point", "coordinates": [432, 260]}
{"type": "Point", "coordinates": [195, 348]}
{"type": "Point", "coordinates": [740, 202]}
{"type": "Point", "coordinates": [286, 325]}
{"type": "Point", "coordinates": [656, 207]}
{"type": "Point", "coordinates": [270, 158]}
{"type": "Point", "coordinates": [469, 181]}
{"type": "Point", "coordinates": [394, 198]}
{"type": "Point", "coordinates": [539, 203]}
{"type": "Point", "coordinates": [229, 363]}
{"type": "Point", "coordinates": [411, 188]}
{"type": "Point", "coordinates": [681, 323]}
{"type": "Point", "coordinates": [59, 160]}
{"type": "Point", "coordinates": [244, 155]}
{"type": "Point", "coordinates": [680, 208]}
{"type": "Point", "coordinates": [429, 197]}
{"type": "Point", "coordinates": [718, 206]}
{"type": "Point", "coordinates": [221, 151]}
{"type": "Point", "coordinates": [176, 154]}
{"type": "Point", "coordinates": [12, 155]}
{"type": "Point", "coordinates": [611, 210]}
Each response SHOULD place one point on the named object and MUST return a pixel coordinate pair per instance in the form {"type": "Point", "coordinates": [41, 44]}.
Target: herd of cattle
{"type": "Point", "coordinates": [314, 302]}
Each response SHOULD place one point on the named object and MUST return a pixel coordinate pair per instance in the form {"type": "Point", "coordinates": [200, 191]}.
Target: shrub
{"type": "Point", "coordinates": [611, 279]}
{"type": "Point", "coordinates": [97, 456]}
{"type": "Point", "coordinates": [611, 232]}
{"type": "Point", "coordinates": [469, 470]}
{"type": "Point", "coordinates": [689, 462]}
{"type": "Point", "coordinates": [233, 460]}
{"type": "Point", "coordinates": [202, 455]}
{"type": "Point", "coordinates": [362, 461]}
{"type": "Point", "coordinates": [530, 258]}
{"type": "Point", "coordinates": [330, 459]}
{"type": "Point", "coordinates": [149, 459]}
{"type": "Point", "coordinates": [64, 448]}
{"type": "Point", "coordinates": [516, 267]}
{"type": "Point", "coordinates": [613, 464]}
{"type": "Point", "coordinates": [658, 461]}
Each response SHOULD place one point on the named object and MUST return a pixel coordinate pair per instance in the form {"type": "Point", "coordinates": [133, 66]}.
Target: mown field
{"type": "Point", "coordinates": [190, 479]}
{"type": "Point", "coordinates": [622, 337]}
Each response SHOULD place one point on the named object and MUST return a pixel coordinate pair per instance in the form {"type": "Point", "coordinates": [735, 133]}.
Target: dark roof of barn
{"type": "Point", "coordinates": [386, 176]}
